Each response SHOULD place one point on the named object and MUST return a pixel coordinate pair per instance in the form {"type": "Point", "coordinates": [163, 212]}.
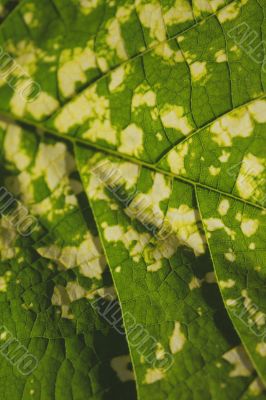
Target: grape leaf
{"type": "Point", "coordinates": [164, 104]}
{"type": "Point", "coordinates": [173, 275]}
{"type": "Point", "coordinates": [50, 281]}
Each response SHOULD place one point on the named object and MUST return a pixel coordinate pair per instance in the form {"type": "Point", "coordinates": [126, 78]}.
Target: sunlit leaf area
{"type": "Point", "coordinates": [132, 199]}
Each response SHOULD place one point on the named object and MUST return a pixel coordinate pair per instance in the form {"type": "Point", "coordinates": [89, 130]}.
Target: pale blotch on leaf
{"type": "Point", "coordinates": [131, 140]}
{"type": "Point", "coordinates": [99, 117]}
{"type": "Point", "coordinates": [224, 157]}
{"type": "Point", "coordinates": [180, 12]}
{"type": "Point", "coordinates": [117, 78]}
{"type": "Point", "coordinates": [30, 16]}
{"type": "Point", "coordinates": [176, 159]}
{"type": "Point", "coordinates": [73, 65]}
{"type": "Point", "coordinates": [256, 387]}
{"type": "Point", "coordinates": [124, 12]}
{"type": "Point", "coordinates": [258, 110]}
{"type": "Point", "coordinates": [53, 161]}
{"type": "Point", "coordinates": [237, 123]}
{"type": "Point", "coordinates": [223, 207]}
{"type": "Point", "coordinates": [227, 284]}
{"type": "Point", "coordinates": [261, 349]}
{"type": "Point", "coordinates": [8, 236]}
{"type": "Point", "coordinates": [177, 339]}
{"type": "Point", "coordinates": [160, 352]}
{"type": "Point", "coordinates": [115, 40]}
{"type": "Point", "coordinates": [87, 6]}
{"type": "Point", "coordinates": [120, 365]}
{"type": "Point", "coordinates": [214, 171]}
{"type": "Point", "coordinates": [61, 299]}
{"type": "Point", "coordinates": [143, 95]}
{"type": "Point", "coordinates": [230, 255]}
{"type": "Point", "coordinates": [4, 281]}
{"type": "Point", "coordinates": [133, 241]}
{"type": "Point", "coordinates": [42, 106]}
{"type": "Point", "coordinates": [146, 206]}
{"type": "Point", "coordinates": [64, 296]}
{"type": "Point", "coordinates": [87, 256]}
{"type": "Point", "coordinates": [153, 375]}
{"type": "Point", "coordinates": [74, 113]}
{"type": "Point", "coordinates": [251, 177]}
{"type": "Point", "coordinates": [174, 117]}
{"type": "Point", "coordinates": [198, 71]}
{"type": "Point", "coordinates": [206, 6]}
{"type": "Point", "coordinates": [168, 55]}
{"type": "Point", "coordinates": [195, 283]}
{"type": "Point", "coordinates": [249, 226]}
{"type": "Point", "coordinates": [220, 56]}
{"type": "Point", "coordinates": [230, 12]}
{"type": "Point", "coordinates": [184, 223]}
{"type": "Point", "coordinates": [238, 358]}
{"type": "Point", "coordinates": [14, 151]}
{"type": "Point", "coordinates": [213, 224]}
{"type": "Point", "coordinates": [150, 15]}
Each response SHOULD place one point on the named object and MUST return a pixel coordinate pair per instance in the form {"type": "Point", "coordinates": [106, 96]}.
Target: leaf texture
{"type": "Point", "coordinates": [151, 115]}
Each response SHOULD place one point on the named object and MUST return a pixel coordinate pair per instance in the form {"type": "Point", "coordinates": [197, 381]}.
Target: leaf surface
{"type": "Point", "coordinates": [165, 95]}
{"type": "Point", "coordinates": [51, 280]}
{"type": "Point", "coordinates": [185, 320]}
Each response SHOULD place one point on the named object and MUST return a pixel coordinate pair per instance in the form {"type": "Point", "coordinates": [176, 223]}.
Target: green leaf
{"type": "Point", "coordinates": [50, 280]}
{"type": "Point", "coordinates": [235, 233]}
{"type": "Point", "coordinates": [185, 321]}
{"type": "Point", "coordinates": [164, 104]}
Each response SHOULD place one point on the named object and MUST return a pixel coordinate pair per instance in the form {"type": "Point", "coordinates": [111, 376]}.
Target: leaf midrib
{"type": "Point", "coordinates": [153, 167]}
{"type": "Point", "coordinates": [130, 59]}
{"type": "Point", "coordinates": [104, 149]}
